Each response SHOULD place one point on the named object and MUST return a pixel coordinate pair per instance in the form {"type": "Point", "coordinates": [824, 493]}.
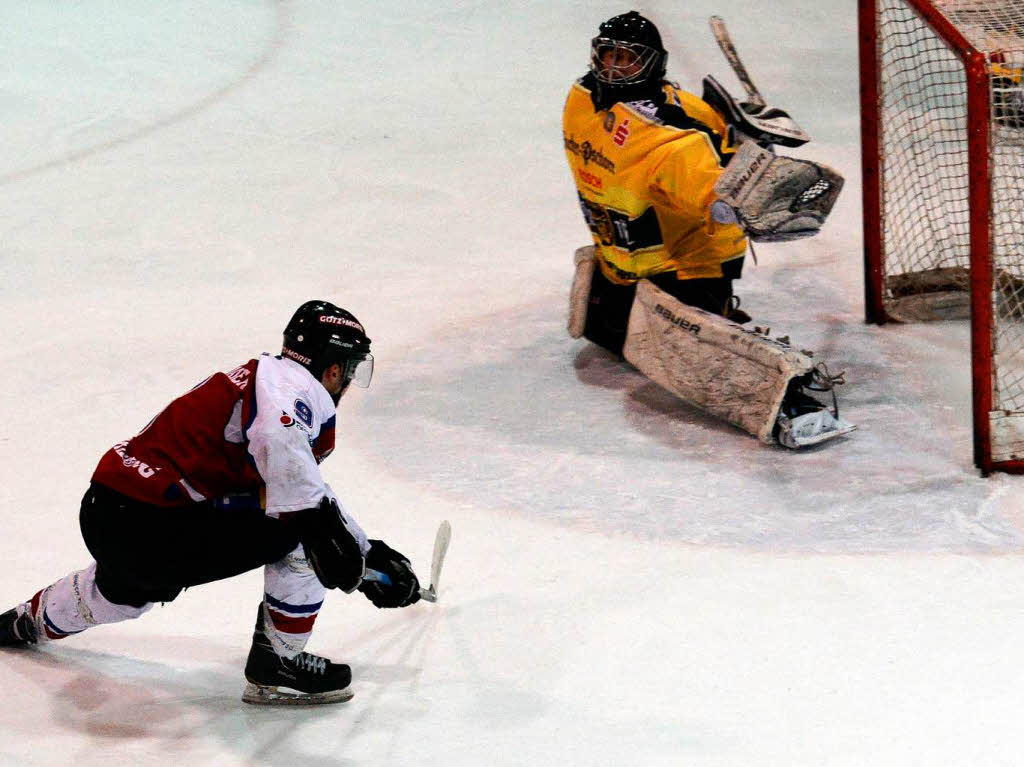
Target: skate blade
{"type": "Point", "coordinates": [283, 696]}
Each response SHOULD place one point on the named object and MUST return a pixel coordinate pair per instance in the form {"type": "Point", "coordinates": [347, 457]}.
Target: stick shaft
{"type": "Point", "coordinates": [724, 40]}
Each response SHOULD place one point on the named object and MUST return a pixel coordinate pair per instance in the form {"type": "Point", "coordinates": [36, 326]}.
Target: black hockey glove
{"type": "Point", "coordinates": [765, 125]}
{"type": "Point", "coordinates": [331, 548]}
{"type": "Point", "coordinates": [403, 588]}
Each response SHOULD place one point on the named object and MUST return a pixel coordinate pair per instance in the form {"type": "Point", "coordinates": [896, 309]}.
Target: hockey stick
{"type": "Point", "coordinates": [444, 535]}
{"type": "Point", "coordinates": [441, 540]}
{"type": "Point", "coordinates": [753, 117]}
{"type": "Point", "coordinates": [721, 33]}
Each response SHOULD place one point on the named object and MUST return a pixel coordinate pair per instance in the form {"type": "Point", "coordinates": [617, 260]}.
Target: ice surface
{"type": "Point", "coordinates": [629, 581]}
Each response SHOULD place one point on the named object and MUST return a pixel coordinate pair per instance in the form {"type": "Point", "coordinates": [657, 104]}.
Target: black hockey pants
{"type": "Point", "coordinates": [609, 304]}
{"type": "Point", "coordinates": [148, 553]}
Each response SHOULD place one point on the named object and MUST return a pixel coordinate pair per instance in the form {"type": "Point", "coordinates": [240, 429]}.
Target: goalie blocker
{"type": "Point", "coordinates": [775, 198]}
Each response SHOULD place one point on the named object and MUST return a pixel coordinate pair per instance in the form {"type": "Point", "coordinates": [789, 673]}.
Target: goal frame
{"type": "Point", "coordinates": [979, 174]}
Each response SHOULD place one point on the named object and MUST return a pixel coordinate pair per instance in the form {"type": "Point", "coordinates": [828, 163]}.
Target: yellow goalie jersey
{"type": "Point", "coordinates": [645, 174]}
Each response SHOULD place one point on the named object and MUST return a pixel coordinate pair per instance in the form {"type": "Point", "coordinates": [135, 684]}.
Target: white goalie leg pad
{"type": "Point", "coordinates": [733, 373]}
{"type": "Point", "coordinates": [579, 295]}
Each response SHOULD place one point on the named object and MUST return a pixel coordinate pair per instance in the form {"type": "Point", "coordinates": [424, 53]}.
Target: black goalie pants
{"type": "Point", "coordinates": [609, 304]}
{"type": "Point", "coordinates": [147, 553]}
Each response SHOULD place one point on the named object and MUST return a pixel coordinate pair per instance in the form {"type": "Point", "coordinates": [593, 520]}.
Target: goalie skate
{"type": "Point", "coordinates": [811, 429]}
{"type": "Point", "coordinates": [304, 680]}
{"type": "Point", "coordinates": [803, 421]}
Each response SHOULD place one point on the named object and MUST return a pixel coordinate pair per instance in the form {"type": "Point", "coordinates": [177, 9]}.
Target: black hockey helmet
{"type": "Point", "coordinates": [628, 52]}
{"type": "Point", "coordinates": [320, 334]}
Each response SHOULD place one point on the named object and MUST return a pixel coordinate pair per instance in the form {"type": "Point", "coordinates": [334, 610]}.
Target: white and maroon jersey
{"type": "Point", "coordinates": [258, 430]}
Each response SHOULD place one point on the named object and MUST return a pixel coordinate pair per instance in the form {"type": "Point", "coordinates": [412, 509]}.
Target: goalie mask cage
{"type": "Point", "coordinates": [942, 126]}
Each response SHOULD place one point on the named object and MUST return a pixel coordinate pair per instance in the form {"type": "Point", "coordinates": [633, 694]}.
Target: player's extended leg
{"type": "Point", "coordinates": [144, 554]}
{"type": "Point", "coordinates": [69, 606]}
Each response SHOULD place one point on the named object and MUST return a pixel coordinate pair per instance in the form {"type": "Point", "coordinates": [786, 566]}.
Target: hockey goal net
{"type": "Point", "coordinates": [942, 84]}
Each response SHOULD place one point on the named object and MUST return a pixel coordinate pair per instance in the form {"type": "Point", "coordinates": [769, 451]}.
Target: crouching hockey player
{"type": "Point", "coordinates": [224, 480]}
{"type": "Point", "coordinates": [671, 186]}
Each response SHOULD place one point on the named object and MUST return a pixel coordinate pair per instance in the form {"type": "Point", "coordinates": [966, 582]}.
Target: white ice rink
{"type": "Point", "coordinates": [629, 583]}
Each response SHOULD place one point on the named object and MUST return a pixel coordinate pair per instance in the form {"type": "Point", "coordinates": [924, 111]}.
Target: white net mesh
{"type": "Point", "coordinates": [926, 224]}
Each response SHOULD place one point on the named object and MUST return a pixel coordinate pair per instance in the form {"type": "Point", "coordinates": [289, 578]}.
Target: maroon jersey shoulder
{"type": "Point", "coordinates": [194, 448]}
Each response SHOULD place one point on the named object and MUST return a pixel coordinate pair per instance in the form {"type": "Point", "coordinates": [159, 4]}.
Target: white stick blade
{"type": "Point", "coordinates": [444, 535]}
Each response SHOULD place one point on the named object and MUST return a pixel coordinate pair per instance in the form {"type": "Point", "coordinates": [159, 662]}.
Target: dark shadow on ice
{"type": "Point", "coordinates": [525, 418]}
{"type": "Point", "coordinates": [120, 699]}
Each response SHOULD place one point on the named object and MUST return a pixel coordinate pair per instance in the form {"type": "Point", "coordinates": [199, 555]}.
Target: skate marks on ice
{"type": "Point", "coordinates": [117, 88]}
{"type": "Point", "coordinates": [525, 418]}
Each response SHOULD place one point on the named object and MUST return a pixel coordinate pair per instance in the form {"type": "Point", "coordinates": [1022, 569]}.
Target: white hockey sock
{"type": "Point", "coordinates": [73, 604]}
{"type": "Point", "coordinates": [291, 601]}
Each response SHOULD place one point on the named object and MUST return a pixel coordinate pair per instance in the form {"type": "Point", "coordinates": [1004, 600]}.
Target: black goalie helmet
{"type": "Point", "coordinates": [320, 334]}
{"type": "Point", "coordinates": [627, 52]}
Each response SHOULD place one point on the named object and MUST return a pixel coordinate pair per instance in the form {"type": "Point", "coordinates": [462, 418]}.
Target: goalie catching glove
{"type": "Point", "coordinates": [774, 198]}
{"type": "Point", "coordinates": [394, 583]}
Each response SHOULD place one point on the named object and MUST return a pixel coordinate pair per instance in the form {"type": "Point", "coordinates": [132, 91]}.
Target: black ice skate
{"type": "Point", "coordinates": [17, 630]}
{"type": "Point", "coordinates": [305, 679]}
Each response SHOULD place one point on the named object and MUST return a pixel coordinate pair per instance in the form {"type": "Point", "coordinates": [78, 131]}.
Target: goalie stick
{"type": "Point", "coordinates": [441, 540]}
{"type": "Point", "coordinates": [721, 33]}
{"type": "Point", "coordinates": [755, 119]}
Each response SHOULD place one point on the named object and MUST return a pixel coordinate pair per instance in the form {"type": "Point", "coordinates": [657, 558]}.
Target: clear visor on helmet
{"type": "Point", "coordinates": [621, 63]}
{"type": "Point", "coordinates": [358, 370]}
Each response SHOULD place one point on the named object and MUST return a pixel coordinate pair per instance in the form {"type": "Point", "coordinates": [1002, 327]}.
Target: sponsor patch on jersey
{"type": "Point", "coordinates": [287, 420]}
{"type": "Point", "coordinates": [304, 413]}
{"type": "Point", "coordinates": [621, 133]}
{"type": "Point", "coordinates": [590, 179]}
{"type": "Point", "coordinates": [609, 122]}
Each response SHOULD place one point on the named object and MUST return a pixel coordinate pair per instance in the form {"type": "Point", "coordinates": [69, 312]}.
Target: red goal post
{"type": "Point", "coordinates": [942, 132]}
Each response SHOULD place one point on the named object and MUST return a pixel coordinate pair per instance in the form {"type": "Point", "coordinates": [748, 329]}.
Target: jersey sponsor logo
{"type": "Point", "coordinates": [599, 221]}
{"type": "Point", "coordinates": [679, 322]}
{"type": "Point", "coordinates": [304, 412]}
{"type": "Point", "coordinates": [590, 179]}
{"type": "Point", "coordinates": [609, 122]}
{"type": "Point", "coordinates": [616, 229]}
{"type": "Point", "coordinates": [588, 153]}
{"type": "Point", "coordinates": [130, 462]}
{"type": "Point", "coordinates": [330, 319]}
{"type": "Point", "coordinates": [621, 134]}
{"type": "Point", "coordinates": [287, 422]}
